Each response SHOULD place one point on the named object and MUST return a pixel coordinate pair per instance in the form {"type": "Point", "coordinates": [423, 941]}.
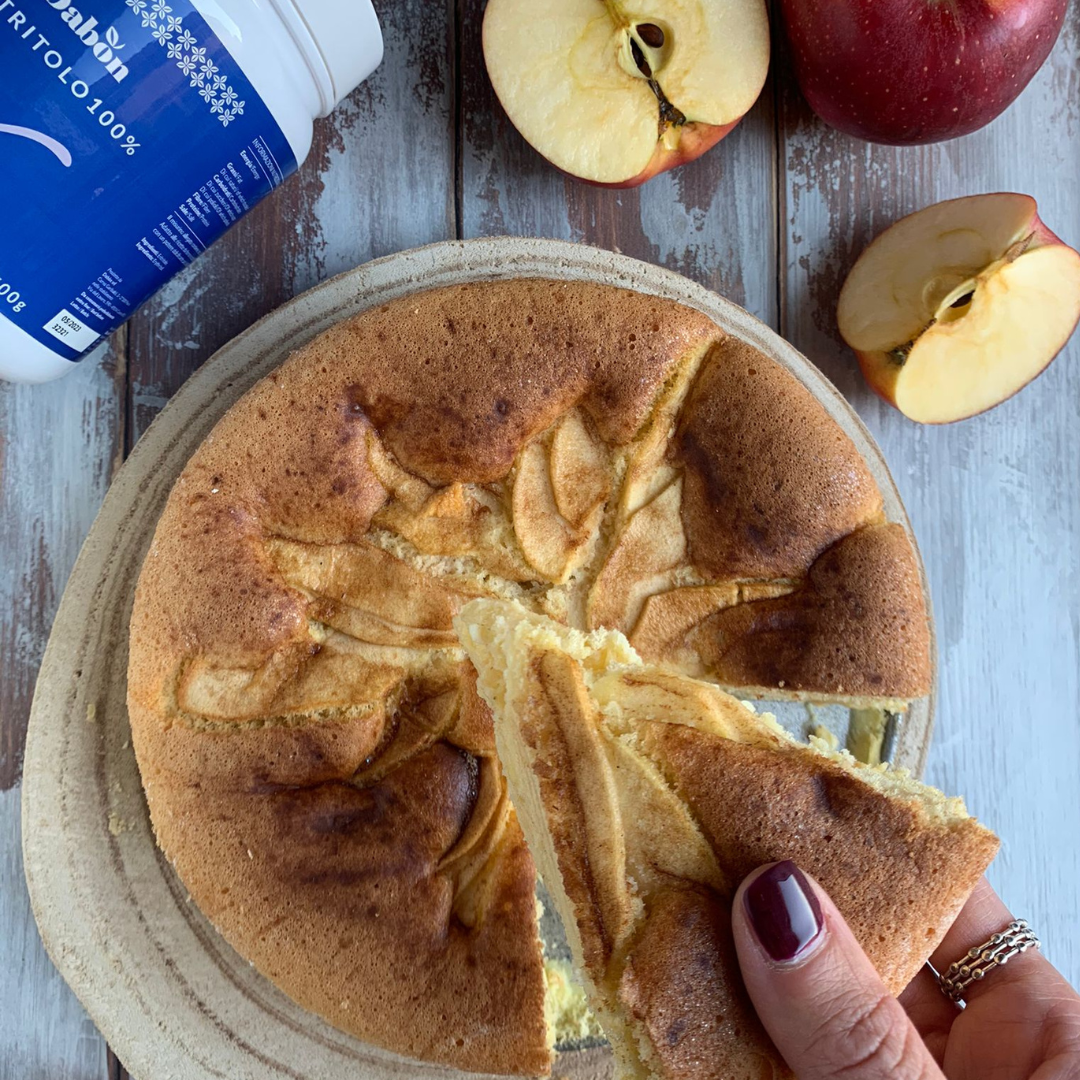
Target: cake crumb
{"type": "Point", "coordinates": [826, 736]}
{"type": "Point", "coordinates": [566, 1009]}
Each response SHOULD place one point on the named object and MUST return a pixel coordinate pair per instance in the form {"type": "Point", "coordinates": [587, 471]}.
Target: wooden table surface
{"type": "Point", "coordinates": [772, 218]}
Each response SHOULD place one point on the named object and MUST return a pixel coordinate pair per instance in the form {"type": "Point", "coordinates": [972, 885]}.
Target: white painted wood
{"type": "Point", "coordinates": [44, 1031]}
{"type": "Point", "coordinates": [385, 161]}
{"type": "Point", "coordinates": [995, 501]}
{"type": "Point", "coordinates": [58, 446]}
{"type": "Point", "coordinates": [715, 220]}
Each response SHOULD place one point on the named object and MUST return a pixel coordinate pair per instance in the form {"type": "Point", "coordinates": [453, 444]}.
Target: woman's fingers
{"type": "Point", "coordinates": [932, 1013]}
{"type": "Point", "coordinates": [983, 915]}
{"type": "Point", "coordinates": [817, 994]}
{"type": "Point", "coordinates": [1022, 1019]}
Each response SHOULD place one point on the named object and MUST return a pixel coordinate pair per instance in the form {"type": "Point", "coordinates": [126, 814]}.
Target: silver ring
{"type": "Point", "coordinates": [1016, 938]}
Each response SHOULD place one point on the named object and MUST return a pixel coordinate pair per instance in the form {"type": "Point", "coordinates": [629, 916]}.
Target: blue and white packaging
{"type": "Point", "coordinates": [130, 139]}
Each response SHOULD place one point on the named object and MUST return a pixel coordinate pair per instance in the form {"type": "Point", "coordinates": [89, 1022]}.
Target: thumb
{"type": "Point", "coordinates": [816, 992]}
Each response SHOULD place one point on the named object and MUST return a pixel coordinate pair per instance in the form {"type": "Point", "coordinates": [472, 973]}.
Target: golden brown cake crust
{"type": "Point", "coordinates": [682, 984]}
{"type": "Point", "coordinates": [294, 675]}
{"type": "Point", "coordinates": [770, 479]}
{"type": "Point", "coordinates": [358, 886]}
{"type": "Point", "coordinates": [466, 375]}
{"type": "Point", "coordinates": [856, 627]}
{"type": "Point", "coordinates": [316, 768]}
{"type": "Point", "coordinates": [342, 882]}
{"type": "Point", "coordinates": [873, 855]}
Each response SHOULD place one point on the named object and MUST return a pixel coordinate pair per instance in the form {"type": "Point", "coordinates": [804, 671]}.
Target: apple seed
{"type": "Point", "coordinates": [651, 34]}
{"type": "Point", "coordinates": [670, 117]}
{"type": "Point", "coordinates": [639, 59]}
{"type": "Point", "coordinates": [900, 353]}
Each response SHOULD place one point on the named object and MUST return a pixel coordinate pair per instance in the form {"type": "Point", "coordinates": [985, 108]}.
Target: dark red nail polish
{"type": "Point", "coordinates": [783, 910]}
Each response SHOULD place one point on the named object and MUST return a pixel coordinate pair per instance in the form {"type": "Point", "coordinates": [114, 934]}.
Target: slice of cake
{"type": "Point", "coordinates": [646, 796]}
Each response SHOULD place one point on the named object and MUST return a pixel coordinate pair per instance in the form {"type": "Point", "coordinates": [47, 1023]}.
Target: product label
{"type": "Point", "coordinates": [130, 140]}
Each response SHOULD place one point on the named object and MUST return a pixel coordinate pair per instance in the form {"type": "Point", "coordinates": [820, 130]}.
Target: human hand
{"type": "Point", "coordinates": [832, 1018]}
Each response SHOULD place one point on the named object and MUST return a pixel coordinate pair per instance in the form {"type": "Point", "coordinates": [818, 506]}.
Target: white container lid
{"type": "Point", "coordinates": [341, 41]}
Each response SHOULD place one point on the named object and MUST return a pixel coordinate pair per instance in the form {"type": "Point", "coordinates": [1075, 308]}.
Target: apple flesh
{"type": "Point", "coordinates": [917, 71]}
{"type": "Point", "coordinates": [616, 91]}
{"type": "Point", "coordinates": [958, 306]}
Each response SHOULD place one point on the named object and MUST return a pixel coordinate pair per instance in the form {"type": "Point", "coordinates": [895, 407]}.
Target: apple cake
{"type": "Point", "coordinates": [318, 765]}
{"type": "Point", "coordinates": [646, 796]}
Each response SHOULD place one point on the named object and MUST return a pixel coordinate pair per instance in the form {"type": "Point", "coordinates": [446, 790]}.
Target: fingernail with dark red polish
{"type": "Point", "coordinates": [783, 911]}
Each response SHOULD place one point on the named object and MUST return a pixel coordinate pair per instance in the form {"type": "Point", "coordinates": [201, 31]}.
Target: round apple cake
{"type": "Point", "coordinates": [318, 764]}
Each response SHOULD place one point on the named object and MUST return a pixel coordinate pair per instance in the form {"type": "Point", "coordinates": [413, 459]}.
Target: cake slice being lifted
{"type": "Point", "coordinates": [646, 796]}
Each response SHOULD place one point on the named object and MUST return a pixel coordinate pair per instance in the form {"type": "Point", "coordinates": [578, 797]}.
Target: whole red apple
{"type": "Point", "coordinates": [917, 71]}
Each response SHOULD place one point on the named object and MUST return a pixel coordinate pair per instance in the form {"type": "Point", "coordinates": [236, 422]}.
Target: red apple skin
{"type": "Point", "coordinates": [1042, 235]}
{"type": "Point", "coordinates": [694, 141]}
{"type": "Point", "coordinates": [917, 71]}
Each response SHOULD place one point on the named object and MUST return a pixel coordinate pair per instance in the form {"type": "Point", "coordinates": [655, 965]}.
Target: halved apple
{"type": "Point", "coordinates": [616, 91]}
{"type": "Point", "coordinates": [958, 306]}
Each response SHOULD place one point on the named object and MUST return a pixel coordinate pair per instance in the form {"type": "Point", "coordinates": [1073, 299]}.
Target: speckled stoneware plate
{"type": "Point", "coordinates": [172, 998]}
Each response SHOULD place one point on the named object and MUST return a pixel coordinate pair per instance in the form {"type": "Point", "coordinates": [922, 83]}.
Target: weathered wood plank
{"type": "Point", "coordinates": [379, 178]}
{"type": "Point", "coordinates": [995, 501]}
{"type": "Point", "coordinates": [59, 445]}
{"type": "Point", "coordinates": [713, 220]}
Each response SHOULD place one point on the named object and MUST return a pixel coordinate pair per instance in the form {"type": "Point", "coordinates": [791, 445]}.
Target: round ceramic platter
{"type": "Point", "coordinates": [172, 998]}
